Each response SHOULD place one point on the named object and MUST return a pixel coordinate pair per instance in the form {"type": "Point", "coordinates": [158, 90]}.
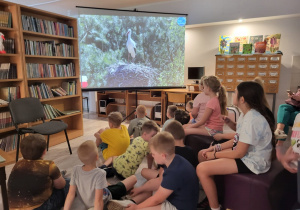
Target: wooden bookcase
{"type": "Point", "coordinates": [20, 58]}
{"type": "Point", "coordinates": [234, 69]}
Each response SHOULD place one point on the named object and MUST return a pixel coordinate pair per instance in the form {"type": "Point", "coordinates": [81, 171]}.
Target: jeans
{"type": "Point", "coordinates": [286, 115]}
{"type": "Point", "coordinates": [57, 199]}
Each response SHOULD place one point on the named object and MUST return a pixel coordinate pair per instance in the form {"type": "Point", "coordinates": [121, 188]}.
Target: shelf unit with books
{"type": "Point", "coordinates": [53, 61]}
{"type": "Point", "coordinates": [12, 82]}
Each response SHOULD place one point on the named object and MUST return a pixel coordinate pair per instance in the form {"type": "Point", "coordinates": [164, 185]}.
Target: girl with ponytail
{"type": "Point", "coordinates": [211, 122]}
{"type": "Point", "coordinates": [249, 151]}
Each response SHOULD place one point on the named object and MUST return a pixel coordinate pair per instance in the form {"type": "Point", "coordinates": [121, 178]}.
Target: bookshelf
{"type": "Point", "coordinates": [51, 57]}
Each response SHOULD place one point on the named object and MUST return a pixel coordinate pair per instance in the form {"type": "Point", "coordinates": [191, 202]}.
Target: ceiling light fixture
{"type": "Point", "coordinates": [240, 20]}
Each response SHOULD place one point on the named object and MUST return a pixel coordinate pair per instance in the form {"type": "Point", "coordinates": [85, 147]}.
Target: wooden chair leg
{"type": "Point", "coordinates": [17, 151]}
{"type": "Point", "coordinates": [48, 142]}
{"type": "Point", "coordinates": [68, 142]}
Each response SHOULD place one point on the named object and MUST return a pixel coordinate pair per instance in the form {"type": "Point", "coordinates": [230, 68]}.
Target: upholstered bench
{"type": "Point", "coordinates": [246, 191]}
{"type": "Point", "coordinates": [239, 191]}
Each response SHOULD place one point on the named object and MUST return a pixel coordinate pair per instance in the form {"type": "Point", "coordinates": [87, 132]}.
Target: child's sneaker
{"type": "Point", "coordinates": [279, 134]}
{"type": "Point", "coordinates": [118, 204]}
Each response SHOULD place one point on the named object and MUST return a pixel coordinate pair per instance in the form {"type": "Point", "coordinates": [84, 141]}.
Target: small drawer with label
{"type": "Point", "coordinates": [230, 73]}
{"type": "Point", "coordinates": [252, 59]}
{"type": "Point", "coordinates": [263, 59]}
{"type": "Point", "coordinates": [272, 85]}
{"type": "Point", "coordinates": [220, 73]}
{"type": "Point", "coordinates": [220, 66]}
{"type": "Point", "coordinates": [251, 73]}
{"type": "Point", "coordinates": [262, 66]}
{"type": "Point", "coordinates": [230, 59]}
{"type": "Point", "coordinates": [273, 73]}
{"type": "Point", "coordinates": [274, 66]}
{"type": "Point", "coordinates": [275, 59]}
{"type": "Point", "coordinates": [241, 59]}
{"type": "Point", "coordinates": [262, 73]}
{"type": "Point", "coordinates": [251, 67]}
{"type": "Point", "coordinates": [240, 73]}
{"type": "Point", "coordinates": [220, 59]}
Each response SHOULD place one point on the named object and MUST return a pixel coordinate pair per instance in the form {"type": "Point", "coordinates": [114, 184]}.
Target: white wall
{"type": "Point", "coordinates": [202, 45]}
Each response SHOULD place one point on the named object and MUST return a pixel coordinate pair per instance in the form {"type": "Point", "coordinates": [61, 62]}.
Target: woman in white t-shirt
{"type": "Point", "coordinates": [249, 151]}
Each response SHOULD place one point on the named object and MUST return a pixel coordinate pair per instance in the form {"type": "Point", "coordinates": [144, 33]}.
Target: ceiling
{"type": "Point", "coordinates": [68, 7]}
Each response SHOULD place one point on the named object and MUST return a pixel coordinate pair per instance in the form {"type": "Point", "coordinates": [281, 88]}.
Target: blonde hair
{"type": "Point", "coordinates": [141, 111]}
{"type": "Point", "coordinates": [171, 110]}
{"type": "Point", "coordinates": [149, 126]}
{"type": "Point", "coordinates": [214, 84]}
{"type": "Point", "coordinates": [115, 118]}
{"type": "Point", "coordinates": [201, 80]}
{"type": "Point", "coordinates": [87, 152]}
{"type": "Point", "coordinates": [163, 142]}
{"type": "Point", "coordinates": [175, 128]}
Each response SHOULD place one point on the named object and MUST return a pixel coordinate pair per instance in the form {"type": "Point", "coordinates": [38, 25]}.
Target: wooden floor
{"type": "Point", "coordinates": [60, 153]}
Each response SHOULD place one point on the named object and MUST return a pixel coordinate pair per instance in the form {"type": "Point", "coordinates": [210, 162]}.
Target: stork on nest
{"type": "Point", "coordinates": [131, 46]}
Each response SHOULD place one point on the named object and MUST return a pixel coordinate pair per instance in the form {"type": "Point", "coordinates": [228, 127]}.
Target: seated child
{"type": "Point", "coordinates": [170, 114]}
{"type": "Point", "coordinates": [189, 108]}
{"type": "Point", "coordinates": [211, 122]}
{"type": "Point", "coordinates": [35, 183]}
{"type": "Point", "coordinates": [199, 102]}
{"type": "Point", "coordinates": [115, 138]}
{"type": "Point", "coordinates": [179, 188]}
{"type": "Point", "coordinates": [89, 183]}
{"type": "Point", "coordinates": [127, 163]}
{"type": "Point", "coordinates": [182, 116]}
{"type": "Point", "coordinates": [176, 129]}
{"type": "Point", "coordinates": [135, 125]}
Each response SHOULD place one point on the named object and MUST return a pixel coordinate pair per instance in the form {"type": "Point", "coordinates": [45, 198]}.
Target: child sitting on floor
{"type": "Point", "coordinates": [189, 108]}
{"type": "Point", "coordinates": [89, 182]}
{"type": "Point", "coordinates": [135, 125]}
{"type": "Point", "coordinates": [182, 116]}
{"type": "Point", "coordinates": [127, 163]}
{"type": "Point", "coordinates": [114, 140]}
{"type": "Point", "coordinates": [170, 114]}
{"type": "Point", "coordinates": [35, 183]}
{"type": "Point", "coordinates": [179, 188]}
{"type": "Point", "coordinates": [211, 122]}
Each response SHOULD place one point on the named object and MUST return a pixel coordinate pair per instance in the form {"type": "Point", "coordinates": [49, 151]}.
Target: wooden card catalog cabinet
{"type": "Point", "coordinates": [234, 69]}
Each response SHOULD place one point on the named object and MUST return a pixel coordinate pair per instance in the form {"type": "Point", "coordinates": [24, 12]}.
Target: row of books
{"type": "Point", "coordinates": [48, 48]}
{"type": "Point", "coordinates": [9, 93]}
{"type": "Point", "coordinates": [42, 70]}
{"type": "Point", "coordinates": [5, 120]}
{"type": "Point", "coordinates": [5, 19]}
{"type": "Point", "coordinates": [59, 91]}
{"type": "Point", "coordinates": [31, 23]}
{"type": "Point", "coordinates": [69, 87]}
{"type": "Point", "coordinates": [41, 91]}
{"type": "Point", "coordinates": [9, 143]}
{"type": "Point", "coordinates": [8, 71]}
{"type": "Point", "coordinates": [51, 112]}
{"type": "Point", "coordinates": [9, 45]}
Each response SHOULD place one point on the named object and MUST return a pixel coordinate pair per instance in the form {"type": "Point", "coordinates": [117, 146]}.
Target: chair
{"type": "Point", "coordinates": [26, 110]}
{"type": "Point", "coordinates": [176, 98]}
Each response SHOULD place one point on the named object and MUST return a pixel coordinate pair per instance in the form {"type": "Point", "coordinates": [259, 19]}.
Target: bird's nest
{"type": "Point", "coordinates": [133, 75]}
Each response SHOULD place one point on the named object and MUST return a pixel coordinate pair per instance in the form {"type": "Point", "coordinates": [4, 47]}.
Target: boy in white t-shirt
{"type": "Point", "coordinates": [89, 182]}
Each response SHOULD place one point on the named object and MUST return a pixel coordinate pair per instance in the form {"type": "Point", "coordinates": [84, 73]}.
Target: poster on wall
{"type": "Point", "coordinates": [272, 42]}
{"type": "Point", "coordinates": [254, 39]}
{"type": "Point", "coordinates": [242, 40]}
{"type": "Point", "coordinates": [224, 44]}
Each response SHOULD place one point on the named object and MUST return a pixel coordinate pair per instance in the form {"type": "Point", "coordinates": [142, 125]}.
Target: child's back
{"type": "Point", "coordinates": [135, 125]}
{"type": "Point", "coordinates": [34, 181]}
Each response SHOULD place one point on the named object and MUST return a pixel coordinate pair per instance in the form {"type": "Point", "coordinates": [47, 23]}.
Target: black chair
{"type": "Point", "coordinates": [26, 110]}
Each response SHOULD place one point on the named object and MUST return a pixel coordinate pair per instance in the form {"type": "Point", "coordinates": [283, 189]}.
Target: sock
{"type": "Point", "coordinates": [219, 208]}
{"type": "Point", "coordinates": [103, 166]}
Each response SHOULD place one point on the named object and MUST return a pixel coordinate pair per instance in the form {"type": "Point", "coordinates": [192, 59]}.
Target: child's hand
{"type": "Point", "coordinates": [204, 151]}
{"type": "Point", "coordinates": [135, 191]}
{"type": "Point", "coordinates": [218, 136]}
{"type": "Point", "coordinates": [226, 119]}
{"type": "Point", "coordinates": [131, 206]}
{"type": "Point", "coordinates": [97, 135]}
{"type": "Point", "coordinates": [210, 155]}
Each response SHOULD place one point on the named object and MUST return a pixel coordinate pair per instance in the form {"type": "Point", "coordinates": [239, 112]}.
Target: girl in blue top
{"type": "Point", "coordinates": [249, 151]}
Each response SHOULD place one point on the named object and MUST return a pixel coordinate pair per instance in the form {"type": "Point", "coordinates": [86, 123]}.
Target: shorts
{"type": "Point", "coordinates": [242, 168]}
{"type": "Point", "coordinates": [103, 146]}
{"type": "Point", "coordinates": [166, 205]}
{"type": "Point", "coordinates": [212, 132]}
{"type": "Point", "coordinates": [117, 190]}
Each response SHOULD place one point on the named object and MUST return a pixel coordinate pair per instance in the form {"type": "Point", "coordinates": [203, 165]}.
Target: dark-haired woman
{"type": "Point", "coordinates": [249, 151]}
